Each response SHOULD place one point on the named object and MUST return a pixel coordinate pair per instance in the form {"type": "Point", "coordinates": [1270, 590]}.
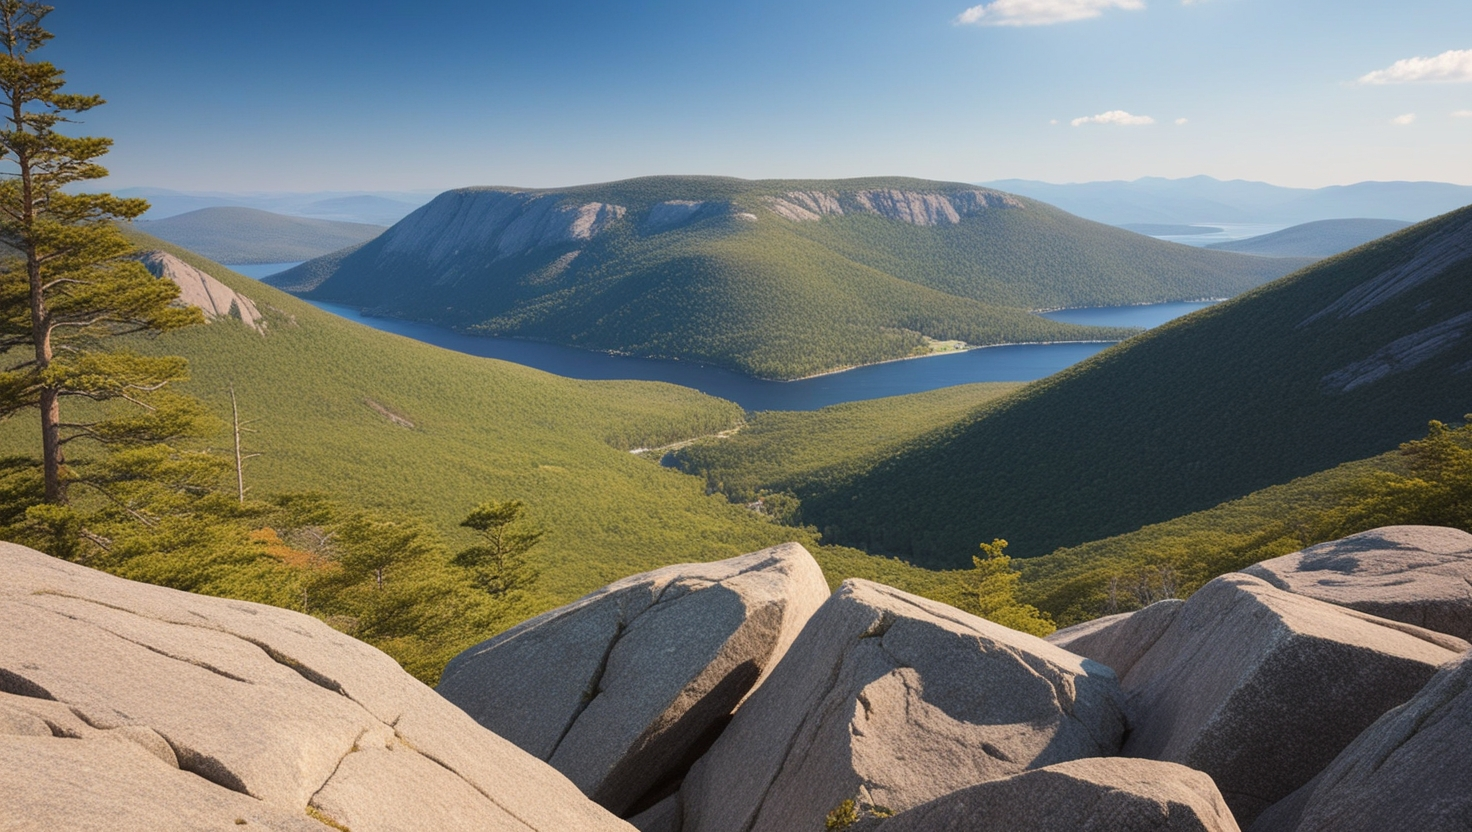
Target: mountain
{"type": "Point", "coordinates": [249, 235]}
{"type": "Point", "coordinates": [776, 278]}
{"type": "Point", "coordinates": [1324, 238]}
{"type": "Point", "coordinates": [1340, 361]}
{"type": "Point", "coordinates": [377, 208]}
{"type": "Point", "coordinates": [1202, 199]}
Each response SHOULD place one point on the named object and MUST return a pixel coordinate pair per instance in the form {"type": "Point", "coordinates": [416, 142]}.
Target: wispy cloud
{"type": "Point", "coordinates": [1113, 117]}
{"type": "Point", "coordinates": [1040, 12]}
{"type": "Point", "coordinates": [1452, 66]}
{"type": "Point", "coordinates": [1404, 120]}
{"type": "Point", "coordinates": [1182, 120]}
{"type": "Point", "coordinates": [1462, 114]}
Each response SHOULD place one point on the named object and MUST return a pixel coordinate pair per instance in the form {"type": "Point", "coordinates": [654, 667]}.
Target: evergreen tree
{"type": "Point", "coordinates": [68, 287]}
{"type": "Point", "coordinates": [500, 565]}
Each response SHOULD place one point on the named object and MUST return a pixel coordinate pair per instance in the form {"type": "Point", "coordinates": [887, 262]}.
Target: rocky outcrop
{"type": "Point", "coordinates": [1260, 688]}
{"type": "Point", "coordinates": [498, 224]}
{"type": "Point", "coordinates": [1412, 769]}
{"type": "Point", "coordinates": [892, 700]}
{"type": "Point", "coordinates": [913, 207]}
{"type": "Point", "coordinates": [267, 714]}
{"type": "Point", "coordinates": [1119, 640]}
{"type": "Point", "coordinates": [1092, 795]}
{"type": "Point", "coordinates": [196, 288]}
{"type": "Point", "coordinates": [645, 669]}
{"type": "Point", "coordinates": [1420, 575]}
{"type": "Point", "coordinates": [805, 206]}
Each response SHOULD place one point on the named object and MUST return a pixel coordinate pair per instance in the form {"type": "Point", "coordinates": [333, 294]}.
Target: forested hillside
{"type": "Point", "coordinates": [778, 278]}
{"type": "Point", "coordinates": [1338, 362]}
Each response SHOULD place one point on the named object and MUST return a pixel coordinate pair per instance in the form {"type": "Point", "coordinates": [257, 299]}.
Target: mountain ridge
{"type": "Point", "coordinates": [774, 278]}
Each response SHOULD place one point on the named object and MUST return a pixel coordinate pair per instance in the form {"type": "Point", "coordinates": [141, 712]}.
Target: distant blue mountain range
{"type": "Point", "coordinates": [372, 207]}
{"type": "Point", "coordinates": [1202, 199]}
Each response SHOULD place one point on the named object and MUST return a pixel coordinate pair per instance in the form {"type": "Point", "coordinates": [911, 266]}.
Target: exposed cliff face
{"type": "Point", "coordinates": [911, 207]}
{"type": "Point", "coordinates": [196, 288]}
{"type": "Point", "coordinates": [501, 224]}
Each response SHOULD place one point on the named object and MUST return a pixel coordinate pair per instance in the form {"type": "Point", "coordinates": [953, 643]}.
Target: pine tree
{"type": "Point", "coordinates": [68, 287]}
{"type": "Point", "coordinates": [499, 565]}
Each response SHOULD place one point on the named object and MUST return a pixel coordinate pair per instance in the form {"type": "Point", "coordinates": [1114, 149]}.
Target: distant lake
{"type": "Point", "coordinates": [1023, 362]}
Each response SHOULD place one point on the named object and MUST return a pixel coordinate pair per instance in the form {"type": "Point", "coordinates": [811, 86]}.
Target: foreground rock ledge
{"type": "Point", "coordinates": [1260, 688]}
{"type": "Point", "coordinates": [1101, 794]}
{"type": "Point", "coordinates": [128, 706]}
{"type": "Point", "coordinates": [891, 700]}
{"type": "Point", "coordinates": [620, 690]}
{"type": "Point", "coordinates": [1420, 575]}
{"type": "Point", "coordinates": [1412, 769]}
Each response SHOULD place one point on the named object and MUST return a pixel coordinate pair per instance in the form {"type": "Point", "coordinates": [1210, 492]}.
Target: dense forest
{"type": "Point", "coordinates": [1341, 361]}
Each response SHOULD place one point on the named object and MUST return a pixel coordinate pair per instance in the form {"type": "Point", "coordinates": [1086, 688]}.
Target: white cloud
{"type": "Point", "coordinates": [1113, 117]}
{"type": "Point", "coordinates": [1040, 12]}
{"type": "Point", "coordinates": [1404, 120]}
{"type": "Point", "coordinates": [1462, 114]}
{"type": "Point", "coordinates": [1055, 121]}
{"type": "Point", "coordinates": [1182, 120]}
{"type": "Point", "coordinates": [1450, 66]}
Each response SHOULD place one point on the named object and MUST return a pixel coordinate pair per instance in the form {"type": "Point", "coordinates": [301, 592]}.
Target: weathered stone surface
{"type": "Point", "coordinates": [1100, 794]}
{"type": "Point", "coordinates": [97, 784]}
{"type": "Point", "coordinates": [663, 816]}
{"type": "Point", "coordinates": [1260, 688]}
{"type": "Point", "coordinates": [261, 703]}
{"type": "Point", "coordinates": [1421, 575]}
{"type": "Point", "coordinates": [1119, 640]}
{"type": "Point", "coordinates": [1412, 769]}
{"type": "Point", "coordinates": [619, 689]}
{"type": "Point", "coordinates": [896, 700]}
{"type": "Point", "coordinates": [214, 299]}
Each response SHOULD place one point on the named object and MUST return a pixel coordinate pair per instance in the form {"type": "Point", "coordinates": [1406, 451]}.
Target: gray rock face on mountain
{"type": "Point", "coordinates": [618, 689]}
{"type": "Point", "coordinates": [214, 299]}
{"type": "Point", "coordinates": [893, 700]}
{"type": "Point", "coordinates": [1101, 794]}
{"type": "Point", "coordinates": [1260, 688]}
{"type": "Point", "coordinates": [1421, 575]}
{"type": "Point", "coordinates": [1412, 769]}
{"type": "Point", "coordinates": [260, 708]}
{"type": "Point", "coordinates": [498, 223]}
{"type": "Point", "coordinates": [1119, 640]}
{"type": "Point", "coordinates": [913, 207]}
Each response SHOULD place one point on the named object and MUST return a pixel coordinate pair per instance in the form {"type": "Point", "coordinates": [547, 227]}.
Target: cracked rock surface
{"type": "Point", "coordinates": [1261, 688]}
{"type": "Point", "coordinates": [619, 690]}
{"type": "Point", "coordinates": [1412, 769]}
{"type": "Point", "coordinates": [1098, 794]}
{"type": "Point", "coordinates": [145, 707]}
{"type": "Point", "coordinates": [1421, 575]}
{"type": "Point", "coordinates": [892, 700]}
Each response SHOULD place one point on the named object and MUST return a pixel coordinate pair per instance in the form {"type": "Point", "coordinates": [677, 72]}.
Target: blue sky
{"type": "Point", "coordinates": [329, 94]}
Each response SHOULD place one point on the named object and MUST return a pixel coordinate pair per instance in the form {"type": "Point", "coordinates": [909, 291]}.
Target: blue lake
{"type": "Point", "coordinates": [1023, 362]}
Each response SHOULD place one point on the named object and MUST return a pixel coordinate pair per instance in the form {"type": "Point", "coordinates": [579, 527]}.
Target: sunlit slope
{"type": "Point", "coordinates": [1340, 361]}
{"type": "Point", "coordinates": [777, 278]}
{"type": "Point", "coordinates": [382, 421]}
